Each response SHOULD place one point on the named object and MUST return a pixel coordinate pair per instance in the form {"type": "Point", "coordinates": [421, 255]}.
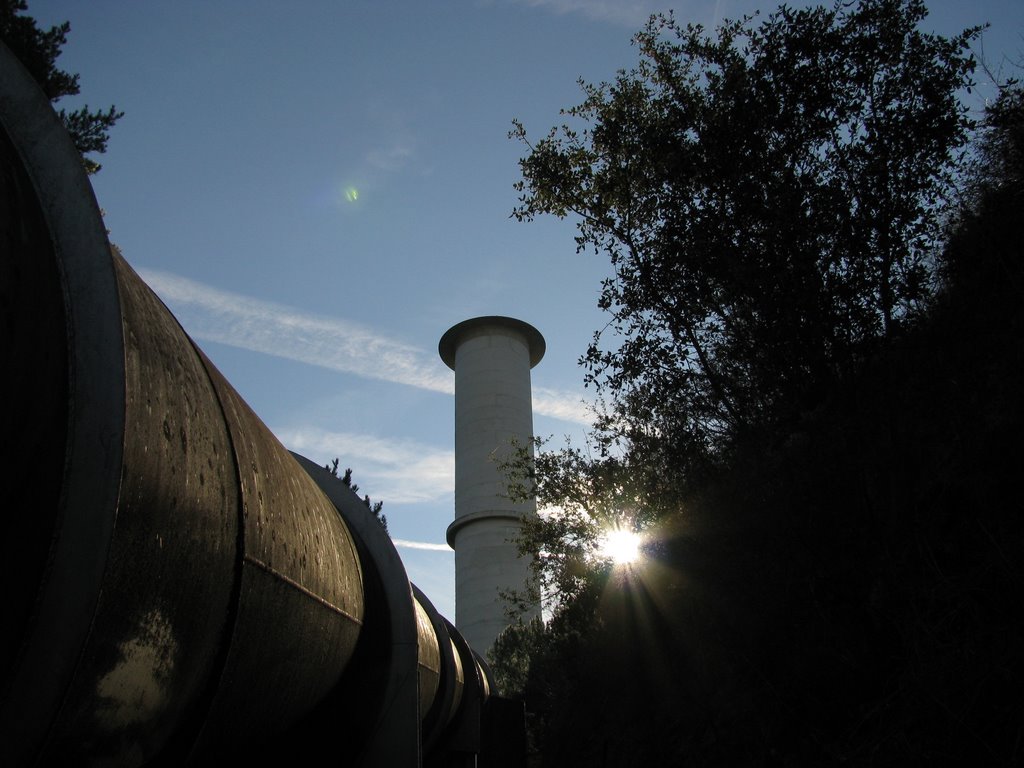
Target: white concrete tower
{"type": "Point", "coordinates": [492, 358]}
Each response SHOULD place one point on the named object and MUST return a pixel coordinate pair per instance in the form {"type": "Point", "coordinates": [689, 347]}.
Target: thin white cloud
{"type": "Point", "coordinates": [628, 13]}
{"type": "Point", "coordinates": [242, 321]}
{"type": "Point", "coordinates": [426, 545]}
{"type": "Point", "coordinates": [210, 314]}
{"type": "Point", "coordinates": [560, 404]}
{"type": "Point", "coordinates": [399, 471]}
{"type": "Point", "coordinates": [390, 158]}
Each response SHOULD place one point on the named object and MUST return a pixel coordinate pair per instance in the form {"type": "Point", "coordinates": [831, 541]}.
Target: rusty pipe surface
{"type": "Point", "coordinates": [181, 583]}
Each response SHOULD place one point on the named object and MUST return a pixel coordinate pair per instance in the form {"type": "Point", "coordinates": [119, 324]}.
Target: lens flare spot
{"type": "Point", "coordinates": [351, 194]}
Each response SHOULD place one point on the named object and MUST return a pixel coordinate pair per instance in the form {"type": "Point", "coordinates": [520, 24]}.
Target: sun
{"type": "Point", "coordinates": [621, 546]}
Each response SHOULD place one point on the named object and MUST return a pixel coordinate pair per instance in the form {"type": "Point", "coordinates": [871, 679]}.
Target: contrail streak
{"type": "Point", "coordinates": [211, 314]}
{"type": "Point", "coordinates": [406, 544]}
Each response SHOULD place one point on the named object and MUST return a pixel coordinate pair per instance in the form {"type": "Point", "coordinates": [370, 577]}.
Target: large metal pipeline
{"type": "Point", "coordinates": [180, 587]}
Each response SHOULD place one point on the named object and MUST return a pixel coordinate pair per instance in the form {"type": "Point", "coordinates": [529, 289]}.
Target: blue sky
{"type": "Point", "coordinates": [319, 190]}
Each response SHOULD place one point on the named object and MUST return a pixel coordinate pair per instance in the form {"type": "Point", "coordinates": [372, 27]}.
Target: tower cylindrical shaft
{"type": "Point", "coordinates": [492, 358]}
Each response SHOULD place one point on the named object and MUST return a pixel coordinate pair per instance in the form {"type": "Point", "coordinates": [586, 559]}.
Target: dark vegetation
{"type": "Point", "coordinates": [38, 51]}
{"type": "Point", "coordinates": [375, 507]}
{"type": "Point", "coordinates": [813, 374]}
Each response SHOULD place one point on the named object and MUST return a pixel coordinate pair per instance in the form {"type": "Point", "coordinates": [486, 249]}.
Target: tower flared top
{"type": "Point", "coordinates": [457, 333]}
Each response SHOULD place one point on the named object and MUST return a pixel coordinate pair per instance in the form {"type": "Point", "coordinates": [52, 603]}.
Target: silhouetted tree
{"type": "Point", "coordinates": [769, 197]}
{"type": "Point", "coordinates": [510, 655]}
{"type": "Point", "coordinates": [772, 200]}
{"type": "Point", "coordinates": [813, 410]}
{"type": "Point", "coordinates": [38, 51]}
{"type": "Point", "coordinates": [346, 479]}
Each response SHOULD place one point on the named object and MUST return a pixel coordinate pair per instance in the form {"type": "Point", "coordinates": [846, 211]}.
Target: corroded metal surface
{"type": "Point", "coordinates": [231, 595]}
{"type": "Point", "coordinates": [165, 601]}
{"type": "Point", "coordinates": [301, 600]}
{"type": "Point", "coordinates": [383, 723]}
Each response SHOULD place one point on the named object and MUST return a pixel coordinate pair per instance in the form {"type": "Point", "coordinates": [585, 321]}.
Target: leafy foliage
{"type": "Point", "coordinates": [511, 653]}
{"type": "Point", "coordinates": [813, 408]}
{"type": "Point", "coordinates": [38, 51]}
{"type": "Point", "coordinates": [581, 498]}
{"type": "Point", "coordinates": [769, 198]}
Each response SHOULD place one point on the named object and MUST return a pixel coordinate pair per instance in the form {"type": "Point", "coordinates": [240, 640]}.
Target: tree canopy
{"type": "Point", "coordinates": [769, 197]}
{"type": "Point", "coordinates": [38, 50]}
{"type": "Point", "coordinates": [815, 333]}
